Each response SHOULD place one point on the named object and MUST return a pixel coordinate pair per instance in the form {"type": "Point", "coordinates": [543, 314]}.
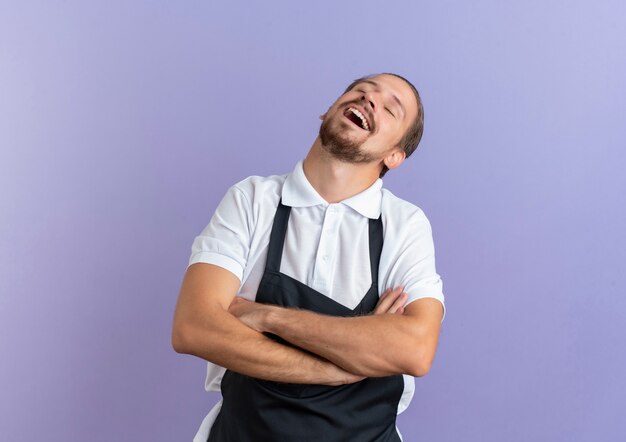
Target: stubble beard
{"type": "Point", "coordinates": [336, 143]}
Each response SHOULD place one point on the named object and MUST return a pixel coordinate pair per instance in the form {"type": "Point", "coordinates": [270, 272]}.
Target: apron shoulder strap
{"type": "Point", "coordinates": [277, 237]}
{"type": "Point", "coordinates": [376, 246]}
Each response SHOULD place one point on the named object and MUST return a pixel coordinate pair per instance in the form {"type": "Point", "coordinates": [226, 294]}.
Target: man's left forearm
{"type": "Point", "coordinates": [373, 346]}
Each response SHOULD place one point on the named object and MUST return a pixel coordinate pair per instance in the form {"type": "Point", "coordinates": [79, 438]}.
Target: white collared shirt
{"type": "Point", "coordinates": [326, 247]}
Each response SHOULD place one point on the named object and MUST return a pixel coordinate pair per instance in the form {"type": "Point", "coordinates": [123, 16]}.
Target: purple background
{"type": "Point", "coordinates": [122, 125]}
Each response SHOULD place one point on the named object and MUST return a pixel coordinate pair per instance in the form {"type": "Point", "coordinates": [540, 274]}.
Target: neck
{"type": "Point", "coordinates": [336, 180]}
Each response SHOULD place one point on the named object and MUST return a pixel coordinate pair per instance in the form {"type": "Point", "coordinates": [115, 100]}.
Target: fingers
{"type": "Point", "coordinates": [235, 301]}
{"type": "Point", "coordinates": [236, 304]}
{"type": "Point", "coordinates": [391, 301]}
{"type": "Point", "coordinates": [398, 305]}
{"type": "Point", "coordinates": [384, 302]}
{"type": "Point", "coordinates": [238, 300]}
{"type": "Point", "coordinates": [352, 378]}
{"type": "Point", "coordinates": [335, 375]}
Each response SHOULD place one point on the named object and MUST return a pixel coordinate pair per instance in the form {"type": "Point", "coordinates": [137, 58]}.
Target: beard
{"type": "Point", "coordinates": [337, 142]}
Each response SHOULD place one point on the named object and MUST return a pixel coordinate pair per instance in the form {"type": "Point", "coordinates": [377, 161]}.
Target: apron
{"type": "Point", "coordinates": [255, 410]}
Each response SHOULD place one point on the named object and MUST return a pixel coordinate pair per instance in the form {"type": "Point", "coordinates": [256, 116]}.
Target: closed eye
{"type": "Point", "coordinates": [387, 109]}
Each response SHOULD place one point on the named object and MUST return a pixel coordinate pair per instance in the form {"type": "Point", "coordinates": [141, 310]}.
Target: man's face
{"type": "Point", "coordinates": [366, 123]}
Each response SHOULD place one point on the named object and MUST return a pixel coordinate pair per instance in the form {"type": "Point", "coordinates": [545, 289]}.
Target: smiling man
{"type": "Point", "coordinates": [314, 295]}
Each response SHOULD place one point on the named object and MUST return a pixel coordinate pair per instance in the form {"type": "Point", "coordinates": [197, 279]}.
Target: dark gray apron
{"type": "Point", "coordinates": [255, 410]}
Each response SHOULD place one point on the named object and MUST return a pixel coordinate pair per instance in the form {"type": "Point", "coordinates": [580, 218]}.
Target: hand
{"type": "Point", "coordinates": [250, 313]}
{"type": "Point", "coordinates": [392, 301]}
{"type": "Point", "coordinates": [254, 316]}
{"type": "Point", "coordinates": [338, 376]}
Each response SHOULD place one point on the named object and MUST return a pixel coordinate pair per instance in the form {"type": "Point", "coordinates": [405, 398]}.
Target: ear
{"type": "Point", "coordinates": [394, 159]}
{"type": "Point", "coordinates": [324, 114]}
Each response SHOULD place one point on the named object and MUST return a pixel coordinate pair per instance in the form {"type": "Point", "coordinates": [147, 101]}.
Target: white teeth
{"type": "Point", "coordinates": [360, 115]}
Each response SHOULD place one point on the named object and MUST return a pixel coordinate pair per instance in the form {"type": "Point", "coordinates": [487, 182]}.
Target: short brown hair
{"type": "Point", "coordinates": [413, 135]}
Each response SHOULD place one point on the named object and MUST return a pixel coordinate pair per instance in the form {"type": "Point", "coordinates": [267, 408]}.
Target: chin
{"type": "Point", "coordinates": [338, 135]}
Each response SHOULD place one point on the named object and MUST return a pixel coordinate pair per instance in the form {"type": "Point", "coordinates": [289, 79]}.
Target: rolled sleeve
{"type": "Point", "coordinates": [415, 268]}
{"type": "Point", "coordinates": [225, 241]}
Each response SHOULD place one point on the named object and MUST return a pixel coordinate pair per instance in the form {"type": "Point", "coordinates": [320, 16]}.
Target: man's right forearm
{"type": "Point", "coordinates": [226, 341]}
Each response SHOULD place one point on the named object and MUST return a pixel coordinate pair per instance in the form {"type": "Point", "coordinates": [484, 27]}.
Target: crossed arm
{"type": "Point", "coordinates": [210, 323]}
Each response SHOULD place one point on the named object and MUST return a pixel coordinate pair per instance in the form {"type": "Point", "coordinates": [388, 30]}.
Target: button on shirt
{"type": "Point", "coordinates": [326, 247]}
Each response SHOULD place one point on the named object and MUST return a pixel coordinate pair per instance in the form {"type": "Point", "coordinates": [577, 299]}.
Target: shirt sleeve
{"type": "Point", "coordinates": [225, 241]}
{"type": "Point", "coordinates": [414, 268]}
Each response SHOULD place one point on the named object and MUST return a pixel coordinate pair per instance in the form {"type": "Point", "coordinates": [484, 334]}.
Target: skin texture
{"type": "Point", "coordinates": [371, 346]}
{"type": "Point", "coordinates": [211, 323]}
{"type": "Point", "coordinates": [336, 179]}
{"type": "Point", "coordinates": [203, 327]}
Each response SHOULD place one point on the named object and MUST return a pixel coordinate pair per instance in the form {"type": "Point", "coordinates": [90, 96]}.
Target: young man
{"type": "Point", "coordinates": [314, 295]}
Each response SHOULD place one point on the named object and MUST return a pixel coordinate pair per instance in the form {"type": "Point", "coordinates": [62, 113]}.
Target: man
{"type": "Point", "coordinates": [314, 295]}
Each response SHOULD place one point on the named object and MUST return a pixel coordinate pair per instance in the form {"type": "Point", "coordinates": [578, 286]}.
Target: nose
{"type": "Point", "coordinates": [368, 98]}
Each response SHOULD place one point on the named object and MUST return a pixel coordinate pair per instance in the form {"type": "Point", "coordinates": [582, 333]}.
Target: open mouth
{"type": "Point", "coordinates": [357, 118]}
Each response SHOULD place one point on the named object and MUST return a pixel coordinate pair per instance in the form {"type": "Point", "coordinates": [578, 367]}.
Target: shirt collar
{"type": "Point", "coordinates": [298, 192]}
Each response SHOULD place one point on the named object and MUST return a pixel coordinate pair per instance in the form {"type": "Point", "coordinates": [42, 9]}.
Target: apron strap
{"type": "Point", "coordinates": [376, 246]}
{"type": "Point", "coordinates": [277, 238]}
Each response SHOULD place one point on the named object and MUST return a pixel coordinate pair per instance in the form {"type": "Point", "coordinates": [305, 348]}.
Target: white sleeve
{"type": "Point", "coordinates": [225, 241]}
{"type": "Point", "coordinates": [414, 268]}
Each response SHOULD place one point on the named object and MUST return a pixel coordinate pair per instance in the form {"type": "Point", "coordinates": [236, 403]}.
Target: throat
{"type": "Point", "coordinates": [336, 181]}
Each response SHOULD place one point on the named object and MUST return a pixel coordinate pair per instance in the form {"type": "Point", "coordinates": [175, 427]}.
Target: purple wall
{"type": "Point", "coordinates": [122, 125]}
